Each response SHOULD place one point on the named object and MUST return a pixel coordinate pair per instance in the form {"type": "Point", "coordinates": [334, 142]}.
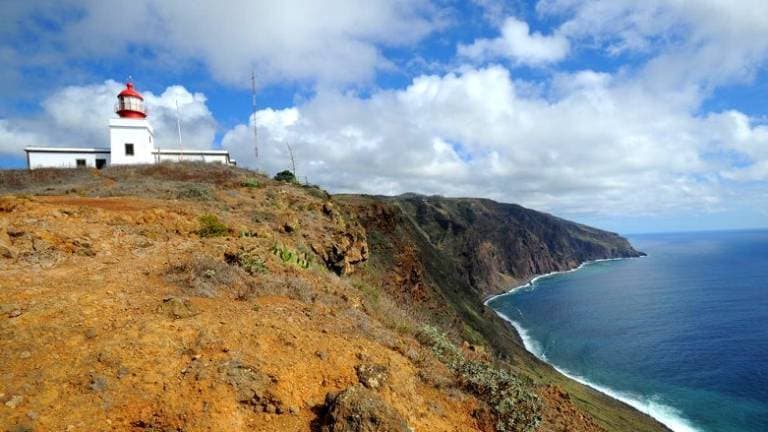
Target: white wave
{"type": "Point", "coordinates": [532, 282]}
{"type": "Point", "coordinates": [665, 414]}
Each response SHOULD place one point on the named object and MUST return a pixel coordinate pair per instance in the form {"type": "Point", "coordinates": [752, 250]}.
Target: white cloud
{"type": "Point", "coordinates": [328, 42]}
{"type": "Point", "coordinates": [696, 44]}
{"type": "Point", "coordinates": [745, 143]}
{"type": "Point", "coordinates": [77, 116]}
{"type": "Point", "coordinates": [596, 146]}
{"type": "Point", "coordinates": [518, 44]}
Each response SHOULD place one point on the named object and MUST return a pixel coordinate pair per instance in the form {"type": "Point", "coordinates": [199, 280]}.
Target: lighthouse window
{"type": "Point", "coordinates": [128, 149]}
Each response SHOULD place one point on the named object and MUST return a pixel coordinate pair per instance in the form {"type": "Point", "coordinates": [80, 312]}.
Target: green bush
{"type": "Point", "coordinates": [211, 226]}
{"type": "Point", "coordinates": [285, 176]}
{"type": "Point", "coordinates": [513, 403]}
{"type": "Point", "coordinates": [250, 182]}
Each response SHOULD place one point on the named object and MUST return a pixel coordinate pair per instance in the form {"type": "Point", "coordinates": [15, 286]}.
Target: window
{"type": "Point", "coordinates": [80, 163]}
{"type": "Point", "coordinates": [128, 149]}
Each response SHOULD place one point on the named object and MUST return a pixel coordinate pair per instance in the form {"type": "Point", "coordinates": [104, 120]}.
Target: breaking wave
{"type": "Point", "coordinates": [665, 414]}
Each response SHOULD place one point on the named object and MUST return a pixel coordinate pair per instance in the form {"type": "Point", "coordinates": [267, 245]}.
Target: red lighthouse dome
{"type": "Point", "coordinates": [130, 103]}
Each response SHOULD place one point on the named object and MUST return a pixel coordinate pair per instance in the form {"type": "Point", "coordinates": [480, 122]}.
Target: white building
{"type": "Point", "coordinates": [131, 141]}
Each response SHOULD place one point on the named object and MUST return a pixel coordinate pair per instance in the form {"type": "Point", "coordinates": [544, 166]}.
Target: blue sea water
{"type": "Point", "coordinates": [681, 334]}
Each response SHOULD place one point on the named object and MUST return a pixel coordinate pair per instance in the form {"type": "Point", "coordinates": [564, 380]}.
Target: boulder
{"type": "Point", "coordinates": [358, 409]}
{"type": "Point", "coordinates": [252, 387]}
{"type": "Point", "coordinates": [372, 376]}
{"type": "Point", "coordinates": [178, 308]}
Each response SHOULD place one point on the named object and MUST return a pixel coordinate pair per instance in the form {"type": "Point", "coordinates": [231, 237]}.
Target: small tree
{"type": "Point", "coordinates": [285, 176]}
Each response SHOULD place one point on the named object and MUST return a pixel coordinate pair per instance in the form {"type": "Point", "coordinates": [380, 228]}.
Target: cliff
{"type": "Point", "coordinates": [497, 246]}
{"type": "Point", "coordinates": [199, 297]}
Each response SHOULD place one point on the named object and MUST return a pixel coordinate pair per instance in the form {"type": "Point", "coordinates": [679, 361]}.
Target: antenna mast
{"type": "Point", "coordinates": [253, 113]}
{"type": "Point", "coordinates": [178, 126]}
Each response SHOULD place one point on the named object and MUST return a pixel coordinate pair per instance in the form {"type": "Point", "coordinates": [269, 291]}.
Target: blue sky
{"type": "Point", "coordinates": [632, 116]}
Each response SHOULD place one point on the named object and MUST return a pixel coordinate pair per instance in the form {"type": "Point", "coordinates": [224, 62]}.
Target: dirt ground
{"type": "Point", "coordinates": [97, 332]}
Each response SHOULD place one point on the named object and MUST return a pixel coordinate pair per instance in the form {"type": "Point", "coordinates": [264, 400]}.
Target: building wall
{"type": "Point", "coordinates": [194, 158]}
{"type": "Point", "coordinates": [63, 160]}
{"type": "Point", "coordinates": [131, 131]}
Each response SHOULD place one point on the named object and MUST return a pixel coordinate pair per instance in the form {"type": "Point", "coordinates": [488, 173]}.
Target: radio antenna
{"type": "Point", "coordinates": [253, 113]}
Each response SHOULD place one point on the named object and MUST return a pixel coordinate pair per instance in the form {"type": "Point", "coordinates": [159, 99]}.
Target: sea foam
{"type": "Point", "coordinates": [665, 414]}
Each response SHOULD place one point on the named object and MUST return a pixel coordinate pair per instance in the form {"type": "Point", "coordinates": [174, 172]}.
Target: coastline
{"type": "Point", "coordinates": [536, 278]}
{"type": "Point", "coordinates": [664, 414]}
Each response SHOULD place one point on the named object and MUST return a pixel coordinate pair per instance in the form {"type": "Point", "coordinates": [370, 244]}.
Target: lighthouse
{"type": "Point", "coordinates": [131, 142]}
{"type": "Point", "coordinates": [131, 136]}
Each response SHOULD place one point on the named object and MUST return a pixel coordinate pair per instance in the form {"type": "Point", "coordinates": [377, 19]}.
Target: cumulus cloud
{"type": "Point", "coordinates": [597, 146]}
{"type": "Point", "coordinates": [76, 116]}
{"type": "Point", "coordinates": [334, 41]}
{"type": "Point", "coordinates": [699, 44]}
{"type": "Point", "coordinates": [518, 44]}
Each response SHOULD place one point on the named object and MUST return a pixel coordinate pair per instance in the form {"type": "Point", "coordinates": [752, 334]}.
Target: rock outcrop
{"type": "Point", "coordinates": [358, 409]}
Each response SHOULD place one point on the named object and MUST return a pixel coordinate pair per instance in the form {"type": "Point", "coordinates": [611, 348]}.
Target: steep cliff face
{"type": "Point", "coordinates": [496, 245]}
{"type": "Point", "coordinates": [440, 257]}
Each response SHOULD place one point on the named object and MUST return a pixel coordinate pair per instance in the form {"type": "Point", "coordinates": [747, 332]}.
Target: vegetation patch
{"type": "Point", "coordinates": [290, 256]}
{"type": "Point", "coordinates": [211, 226]}
{"type": "Point", "coordinates": [204, 276]}
{"type": "Point", "coordinates": [285, 176]}
{"type": "Point", "coordinates": [511, 398]}
{"type": "Point", "coordinates": [250, 182]}
{"type": "Point", "coordinates": [247, 259]}
{"type": "Point", "coordinates": [194, 193]}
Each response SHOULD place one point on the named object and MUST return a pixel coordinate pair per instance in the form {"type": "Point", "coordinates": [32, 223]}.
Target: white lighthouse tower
{"type": "Point", "coordinates": [131, 141]}
{"type": "Point", "coordinates": [131, 136]}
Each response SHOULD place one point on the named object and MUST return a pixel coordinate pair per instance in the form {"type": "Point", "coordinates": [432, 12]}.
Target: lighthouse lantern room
{"type": "Point", "coordinates": [130, 103]}
{"type": "Point", "coordinates": [131, 141]}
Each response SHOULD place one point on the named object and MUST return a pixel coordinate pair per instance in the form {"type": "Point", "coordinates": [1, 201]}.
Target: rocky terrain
{"type": "Point", "coordinates": [198, 297]}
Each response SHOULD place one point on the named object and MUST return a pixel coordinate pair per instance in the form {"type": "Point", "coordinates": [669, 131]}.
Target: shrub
{"type": "Point", "coordinates": [285, 176]}
{"type": "Point", "coordinates": [290, 286]}
{"type": "Point", "coordinates": [513, 403]}
{"type": "Point", "coordinates": [194, 193]}
{"type": "Point", "coordinates": [250, 182]}
{"type": "Point", "coordinates": [204, 276]}
{"type": "Point", "coordinates": [211, 226]}
{"type": "Point", "coordinates": [248, 260]}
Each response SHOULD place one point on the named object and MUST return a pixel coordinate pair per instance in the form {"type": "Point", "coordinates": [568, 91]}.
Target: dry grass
{"type": "Point", "coordinates": [204, 276]}
{"type": "Point", "coordinates": [183, 180]}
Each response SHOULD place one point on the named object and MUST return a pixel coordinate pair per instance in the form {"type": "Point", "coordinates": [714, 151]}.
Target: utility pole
{"type": "Point", "coordinates": [178, 126]}
{"type": "Point", "coordinates": [253, 113]}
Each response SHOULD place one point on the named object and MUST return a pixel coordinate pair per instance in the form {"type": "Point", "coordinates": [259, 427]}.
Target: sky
{"type": "Point", "coordinates": [630, 116]}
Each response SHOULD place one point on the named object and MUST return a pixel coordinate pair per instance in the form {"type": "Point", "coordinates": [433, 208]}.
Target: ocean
{"type": "Point", "coordinates": [681, 334]}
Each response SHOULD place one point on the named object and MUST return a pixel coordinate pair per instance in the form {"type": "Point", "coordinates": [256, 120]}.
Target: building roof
{"type": "Point", "coordinates": [191, 152]}
{"type": "Point", "coordinates": [130, 91]}
{"type": "Point", "coordinates": [107, 150]}
{"type": "Point", "coordinates": [67, 149]}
